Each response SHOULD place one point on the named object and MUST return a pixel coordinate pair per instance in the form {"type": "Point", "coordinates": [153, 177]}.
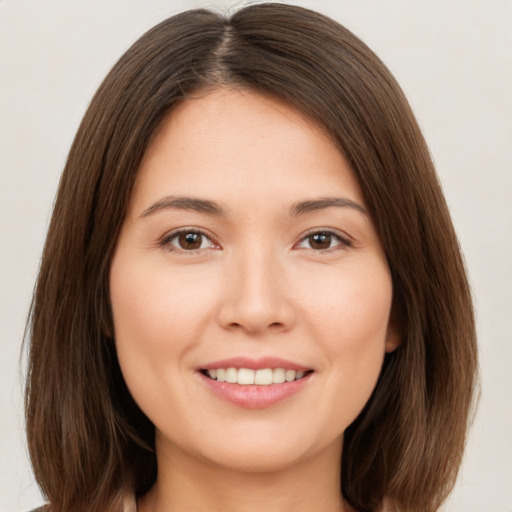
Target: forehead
{"type": "Point", "coordinates": [233, 144]}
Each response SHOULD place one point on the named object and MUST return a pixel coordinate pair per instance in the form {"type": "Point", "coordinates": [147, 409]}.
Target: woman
{"type": "Point", "coordinates": [251, 295]}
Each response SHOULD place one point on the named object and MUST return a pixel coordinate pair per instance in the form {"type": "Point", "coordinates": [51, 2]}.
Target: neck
{"type": "Point", "coordinates": [185, 483]}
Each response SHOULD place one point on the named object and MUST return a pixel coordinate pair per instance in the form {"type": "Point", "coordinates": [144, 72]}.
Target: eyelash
{"type": "Point", "coordinates": [344, 241]}
{"type": "Point", "coordinates": [168, 238]}
{"type": "Point", "coordinates": [165, 242]}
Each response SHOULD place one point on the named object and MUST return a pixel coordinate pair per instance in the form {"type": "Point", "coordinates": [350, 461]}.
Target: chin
{"type": "Point", "coordinates": [264, 460]}
{"type": "Point", "coordinates": [266, 454]}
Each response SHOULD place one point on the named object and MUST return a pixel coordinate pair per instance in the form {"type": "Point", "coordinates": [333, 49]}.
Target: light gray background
{"type": "Point", "coordinates": [453, 59]}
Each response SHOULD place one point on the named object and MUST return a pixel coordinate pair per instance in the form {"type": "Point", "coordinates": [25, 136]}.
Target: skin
{"type": "Point", "coordinates": [258, 285]}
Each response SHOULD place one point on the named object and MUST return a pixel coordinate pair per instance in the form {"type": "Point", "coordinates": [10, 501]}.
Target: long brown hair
{"type": "Point", "coordinates": [87, 438]}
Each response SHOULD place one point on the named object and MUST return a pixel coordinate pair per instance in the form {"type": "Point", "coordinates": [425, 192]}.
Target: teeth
{"type": "Point", "coordinates": [245, 376]}
{"type": "Point", "coordinates": [263, 377]}
{"type": "Point", "coordinates": [278, 376]}
{"type": "Point", "coordinates": [231, 375]}
{"type": "Point", "coordinates": [290, 375]}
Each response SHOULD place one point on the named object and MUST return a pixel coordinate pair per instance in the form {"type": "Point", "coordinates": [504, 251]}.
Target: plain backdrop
{"type": "Point", "coordinates": [453, 59]}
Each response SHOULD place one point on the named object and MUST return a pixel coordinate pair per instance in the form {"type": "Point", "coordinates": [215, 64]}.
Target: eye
{"type": "Point", "coordinates": [323, 241]}
{"type": "Point", "coordinates": [188, 240]}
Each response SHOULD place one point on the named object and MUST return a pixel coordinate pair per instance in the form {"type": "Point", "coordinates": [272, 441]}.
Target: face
{"type": "Point", "coordinates": [250, 294]}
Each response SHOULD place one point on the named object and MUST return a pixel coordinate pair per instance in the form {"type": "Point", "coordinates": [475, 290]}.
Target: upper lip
{"type": "Point", "coordinates": [255, 364]}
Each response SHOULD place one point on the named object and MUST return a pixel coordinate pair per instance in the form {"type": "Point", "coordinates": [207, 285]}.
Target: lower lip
{"type": "Point", "coordinates": [255, 397]}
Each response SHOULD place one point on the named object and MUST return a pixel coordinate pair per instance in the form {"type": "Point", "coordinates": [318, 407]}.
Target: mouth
{"type": "Point", "coordinates": [251, 377]}
{"type": "Point", "coordinates": [255, 383]}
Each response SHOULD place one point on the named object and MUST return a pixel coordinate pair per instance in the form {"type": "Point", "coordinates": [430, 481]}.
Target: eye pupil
{"type": "Point", "coordinates": [190, 241]}
{"type": "Point", "coordinates": [320, 241]}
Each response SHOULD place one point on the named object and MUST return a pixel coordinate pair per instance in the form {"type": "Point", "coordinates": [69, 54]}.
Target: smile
{"type": "Point", "coordinates": [248, 376]}
{"type": "Point", "coordinates": [255, 383]}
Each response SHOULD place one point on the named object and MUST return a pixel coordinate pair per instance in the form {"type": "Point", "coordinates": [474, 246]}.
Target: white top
{"type": "Point", "coordinates": [129, 503]}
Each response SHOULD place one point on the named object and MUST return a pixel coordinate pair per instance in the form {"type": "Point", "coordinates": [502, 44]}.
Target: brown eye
{"type": "Point", "coordinates": [323, 240]}
{"type": "Point", "coordinates": [188, 241]}
{"type": "Point", "coordinates": [320, 240]}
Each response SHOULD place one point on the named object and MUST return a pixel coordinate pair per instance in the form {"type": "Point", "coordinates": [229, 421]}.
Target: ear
{"type": "Point", "coordinates": [395, 334]}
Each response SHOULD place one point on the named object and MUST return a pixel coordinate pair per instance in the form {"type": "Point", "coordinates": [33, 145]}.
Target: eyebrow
{"type": "Point", "coordinates": [212, 208]}
{"type": "Point", "coordinates": [323, 203]}
{"type": "Point", "coordinates": [185, 203]}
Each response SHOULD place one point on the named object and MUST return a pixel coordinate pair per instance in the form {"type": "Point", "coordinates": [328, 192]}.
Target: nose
{"type": "Point", "coordinates": [256, 298]}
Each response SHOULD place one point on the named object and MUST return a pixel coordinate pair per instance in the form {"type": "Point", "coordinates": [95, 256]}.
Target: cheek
{"type": "Point", "coordinates": [350, 320]}
{"type": "Point", "coordinates": [158, 316]}
{"type": "Point", "coordinates": [353, 310]}
{"type": "Point", "coordinates": [153, 306]}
